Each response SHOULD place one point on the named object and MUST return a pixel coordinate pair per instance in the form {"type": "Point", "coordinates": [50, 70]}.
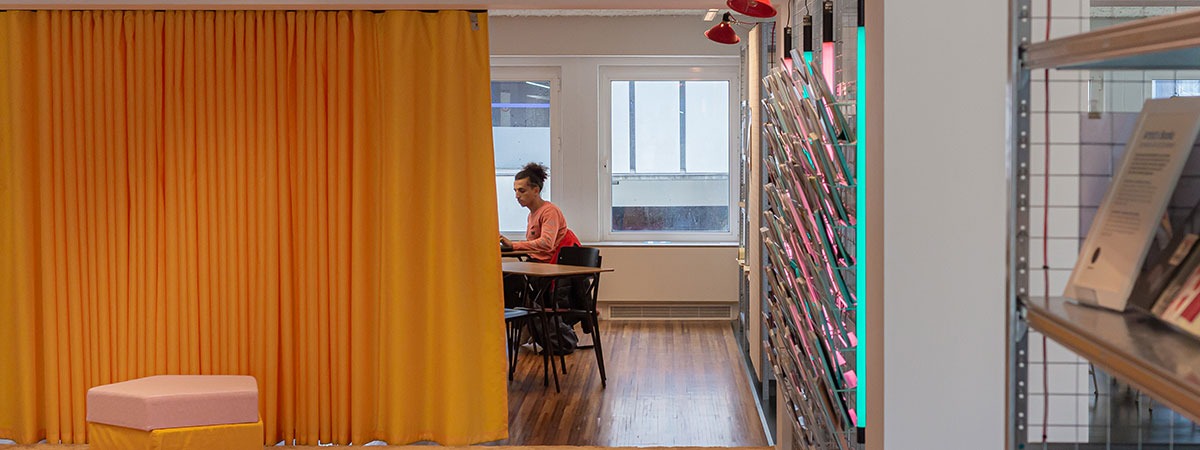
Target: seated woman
{"type": "Point", "coordinates": [546, 230]}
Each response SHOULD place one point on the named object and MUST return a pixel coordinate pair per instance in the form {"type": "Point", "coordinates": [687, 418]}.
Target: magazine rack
{"type": "Point", "coordinates": [809, 238]}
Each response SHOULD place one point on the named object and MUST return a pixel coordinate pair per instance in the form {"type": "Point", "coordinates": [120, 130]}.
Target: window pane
{"type": "Point", "coordinates": [678, 135]}
{"type": "Point", "coordinates": [656, 126]}
{"type": "Point", "coordinates": [520, 134]}
{"type": "Point", "coordinates": [620, 127]}
{"type": "Point", "coordinates": [1175, 88]}
{"type": "Point", "coordinates": [707, 126]}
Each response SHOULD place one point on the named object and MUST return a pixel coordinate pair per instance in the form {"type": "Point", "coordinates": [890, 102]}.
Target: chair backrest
{"type": "Point", "coordinates": [583, 290]}
{"type": "Point", "coordinates": [579, 256]}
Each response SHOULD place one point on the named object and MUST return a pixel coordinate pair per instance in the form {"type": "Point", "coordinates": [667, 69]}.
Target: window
{"type": "Point", "coordinates": [669, 140]}
{"type": "Point", "coordinates": [522, 132]}
{"type": "Point", "coordinates": [1175, 88]}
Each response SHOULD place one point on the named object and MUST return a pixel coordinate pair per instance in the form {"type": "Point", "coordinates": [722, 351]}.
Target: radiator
{"type": "Point", "coordinates": [659, 311]}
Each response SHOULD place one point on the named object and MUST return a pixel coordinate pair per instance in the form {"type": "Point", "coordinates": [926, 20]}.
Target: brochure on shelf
{"type": "Point", "coordinates": [1172, 245]}
{"type": "Point", "coordinates": [1176, 270]}
{"type": "Point", "coordinates": [1180, 303]}
{"type": "Point", "coordinates": [1111, 257]}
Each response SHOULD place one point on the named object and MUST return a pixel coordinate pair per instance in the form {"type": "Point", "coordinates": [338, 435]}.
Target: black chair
{"type": "Point", "coordinates": [576, 298]}
{"type": "Point", "coordinates": [517, 318]}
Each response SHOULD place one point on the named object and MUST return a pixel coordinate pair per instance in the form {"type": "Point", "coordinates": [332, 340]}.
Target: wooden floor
{"type": "Point", "coordinates": [669, 384]}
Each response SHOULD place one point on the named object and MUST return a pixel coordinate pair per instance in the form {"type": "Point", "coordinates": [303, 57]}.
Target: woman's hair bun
{"type": "Point", "coordinates": [535, 172]}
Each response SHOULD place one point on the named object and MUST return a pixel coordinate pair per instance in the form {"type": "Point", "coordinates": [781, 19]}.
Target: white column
{"type": "Point", "coordinates": [943, 97]}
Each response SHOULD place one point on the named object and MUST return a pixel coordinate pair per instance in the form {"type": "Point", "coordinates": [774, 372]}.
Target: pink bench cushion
{"type": "Point", "coordinates": [172, 401]}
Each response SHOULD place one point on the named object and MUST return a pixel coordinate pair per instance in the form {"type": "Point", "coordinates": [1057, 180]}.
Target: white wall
{"type": "Point", "coordinates": [654, 274]}
{"type": "Point", "coordinates": [751, 254]}
{"type": "Point", "coordinates": [943, 97]}
{"type": "Point", "coordinates": [577, 47]}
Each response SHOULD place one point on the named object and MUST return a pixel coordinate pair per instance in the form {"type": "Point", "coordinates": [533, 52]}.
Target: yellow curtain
{"type": "Point", "coordinates": [305, 197]}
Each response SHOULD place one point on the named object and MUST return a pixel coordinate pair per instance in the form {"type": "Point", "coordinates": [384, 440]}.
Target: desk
{"type": "Point", "coordinates": [544, 270]}
{"type": "Point", "coordinates": [519, 254]}
{"type": "Point", "coordinates": [533, 293]}
{"type": "Point", "coordinates": [547, 273]}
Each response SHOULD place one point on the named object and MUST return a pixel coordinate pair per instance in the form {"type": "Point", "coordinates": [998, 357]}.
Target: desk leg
{"type": "Point", "coordinates": [548, 365]}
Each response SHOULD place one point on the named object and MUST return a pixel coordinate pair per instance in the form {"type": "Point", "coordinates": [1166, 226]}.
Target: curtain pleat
{"type": "Point", "coordinates": [24, 384]}
{"type": "Point", "coordinates": [452, 68]}
{"type": "Point", "coordinates": [305, 197]}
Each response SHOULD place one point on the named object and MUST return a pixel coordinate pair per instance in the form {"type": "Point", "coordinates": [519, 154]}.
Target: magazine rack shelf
{"type": "Point", "coordinates": [1157, 43]}
{"type": "Point", "coordinates": [1135, 347]}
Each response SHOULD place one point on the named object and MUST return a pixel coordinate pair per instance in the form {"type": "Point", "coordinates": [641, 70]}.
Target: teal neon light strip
{"type": "Point", "coordinates": [860, 231]}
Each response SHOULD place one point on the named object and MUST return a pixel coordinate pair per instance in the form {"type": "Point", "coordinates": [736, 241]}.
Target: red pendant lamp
{"type": "Point", "coordinates": [753, 8]}
{"type": "Point", "coordinates": [723, 32]}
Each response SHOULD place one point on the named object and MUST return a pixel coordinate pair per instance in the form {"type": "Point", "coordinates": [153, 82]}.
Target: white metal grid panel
{"type": "Point", "coordinates": [1066, 382]}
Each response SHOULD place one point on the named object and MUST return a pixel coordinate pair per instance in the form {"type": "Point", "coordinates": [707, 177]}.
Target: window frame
{"type": "Point", "coordinates": [610, 73]}
{"type": "Point", "coordinates": [534, 73]}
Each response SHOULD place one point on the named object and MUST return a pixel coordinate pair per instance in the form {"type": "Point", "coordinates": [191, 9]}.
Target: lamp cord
{"type": "Point", "coordinates": [1046, 229]}
{"type": "Point", "coordinates": [788, 23]}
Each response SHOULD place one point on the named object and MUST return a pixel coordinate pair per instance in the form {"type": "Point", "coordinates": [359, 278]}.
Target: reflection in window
{"type": "Point", "coordinates": [520, 134]}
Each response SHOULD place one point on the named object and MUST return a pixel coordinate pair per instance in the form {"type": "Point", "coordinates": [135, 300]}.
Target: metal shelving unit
{"type": "Point", "coordinates": [1137, 348]}
{"type": "Point", "coordinates": [1134, 348]}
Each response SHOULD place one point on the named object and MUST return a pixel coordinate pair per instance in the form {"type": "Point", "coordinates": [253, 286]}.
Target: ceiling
{"type": "Point", "coordinates": [517, 7]}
